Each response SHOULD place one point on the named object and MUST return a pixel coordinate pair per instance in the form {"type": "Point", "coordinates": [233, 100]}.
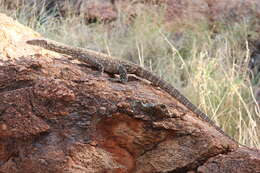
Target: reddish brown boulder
{"type": "Point", "coordinates": [57, 115]}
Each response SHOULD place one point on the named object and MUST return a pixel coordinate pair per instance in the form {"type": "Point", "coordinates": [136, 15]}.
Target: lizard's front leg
{"type": "Point", "coordinates": [122, 73]}
{"type": "Point", "coordinates": [100, 68]}
{"type": "Point", "coordinates": [121, 70]}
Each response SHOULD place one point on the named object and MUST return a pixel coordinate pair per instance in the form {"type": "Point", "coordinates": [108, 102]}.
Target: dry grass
{"type": "Point", "coordinates": [209, 68]}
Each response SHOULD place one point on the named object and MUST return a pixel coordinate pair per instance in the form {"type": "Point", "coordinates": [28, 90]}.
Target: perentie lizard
{"type": "Point", "coordinates": [111, 65]}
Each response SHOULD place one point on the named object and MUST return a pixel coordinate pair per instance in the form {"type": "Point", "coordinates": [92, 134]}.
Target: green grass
{"type": "Point", "coordinates": [209, 68]}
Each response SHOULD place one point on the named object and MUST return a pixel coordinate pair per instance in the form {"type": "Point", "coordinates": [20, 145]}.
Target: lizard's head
{"type": "Point", "coordinates": [37, 42]}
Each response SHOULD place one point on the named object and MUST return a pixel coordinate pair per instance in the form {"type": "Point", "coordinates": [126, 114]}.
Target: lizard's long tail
{"type": "Point", "coordinates": [181, 98]}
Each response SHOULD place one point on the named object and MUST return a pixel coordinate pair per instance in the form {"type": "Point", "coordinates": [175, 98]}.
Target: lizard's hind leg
{"type": "Point", "coordinates": [122, 73]}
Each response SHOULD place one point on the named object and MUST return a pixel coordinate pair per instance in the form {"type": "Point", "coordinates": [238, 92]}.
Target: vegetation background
{"type": "Point", "coordinates": [207, 59]}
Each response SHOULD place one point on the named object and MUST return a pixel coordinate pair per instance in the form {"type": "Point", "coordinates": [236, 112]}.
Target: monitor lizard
{"type": "Point", "coordinates": [106, 63]}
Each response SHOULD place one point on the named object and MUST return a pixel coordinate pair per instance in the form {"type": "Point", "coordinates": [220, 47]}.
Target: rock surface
{"type": "Point", "coordinates": [57, 115]}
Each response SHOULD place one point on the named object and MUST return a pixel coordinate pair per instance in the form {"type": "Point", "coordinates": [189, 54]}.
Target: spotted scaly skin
{"type": "Point", "coordinates": [112, 65]}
